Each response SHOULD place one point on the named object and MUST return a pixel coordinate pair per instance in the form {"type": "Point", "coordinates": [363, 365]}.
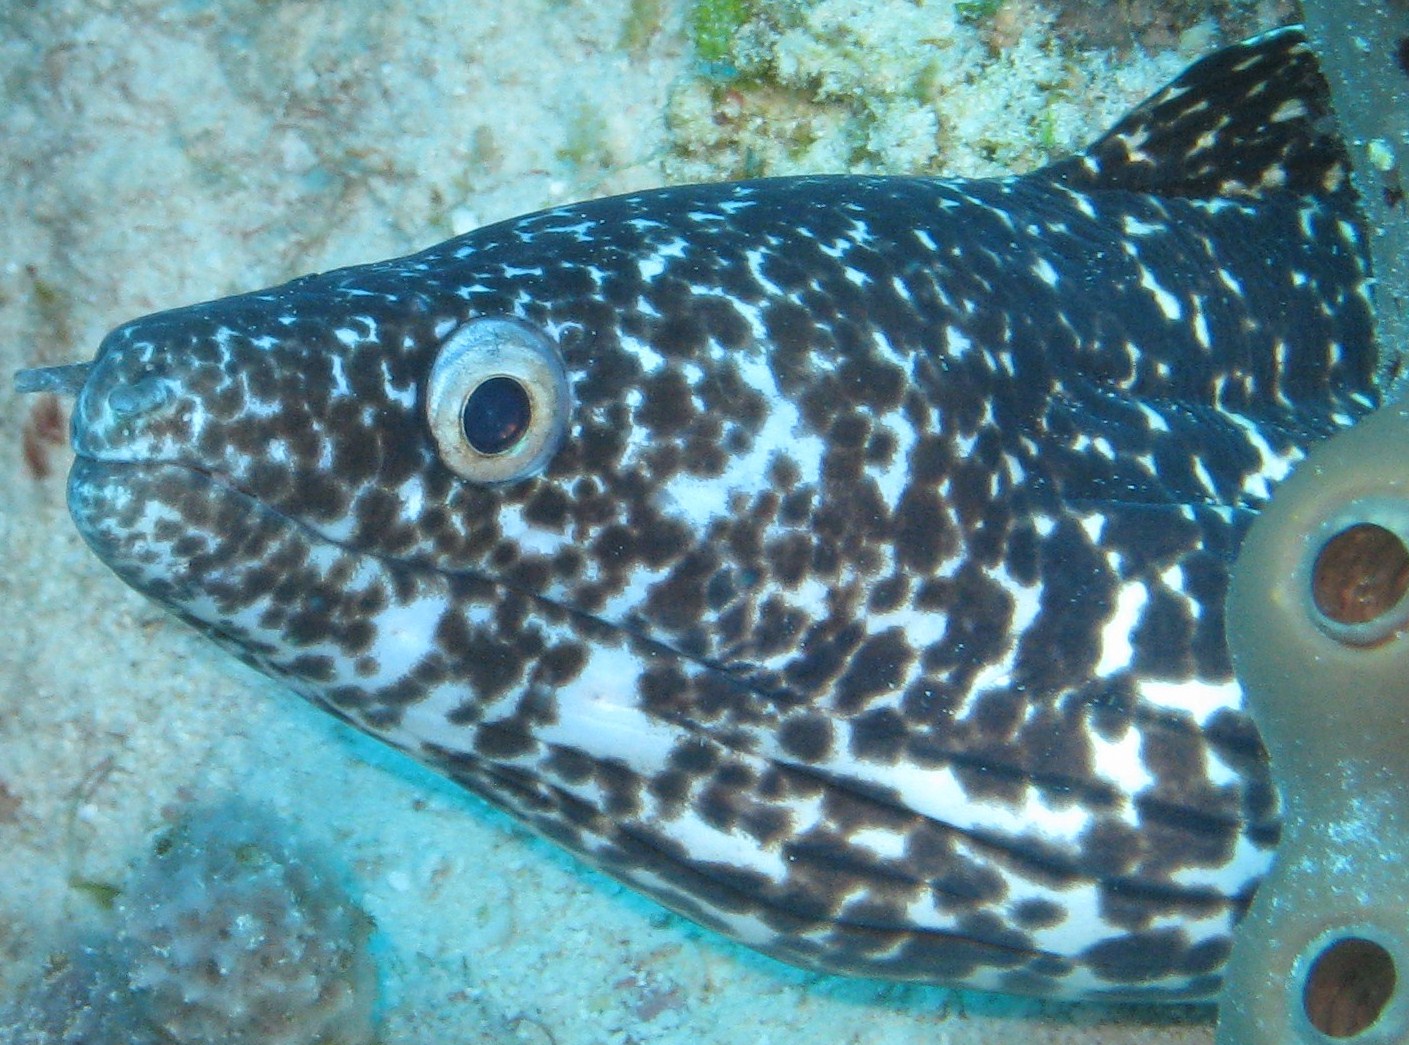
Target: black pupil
{"type": "Point", "coordinates": [496, 415]}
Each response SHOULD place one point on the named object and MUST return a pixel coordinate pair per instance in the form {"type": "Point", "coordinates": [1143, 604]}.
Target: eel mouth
{"type": "Point", "coordinates": [188, 536]}
{"type": "Point", "coordinates": [168, 528]}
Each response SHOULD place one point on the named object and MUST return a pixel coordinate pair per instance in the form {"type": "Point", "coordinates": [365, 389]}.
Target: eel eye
{"type": "Point", "coordinates": [497, 400]}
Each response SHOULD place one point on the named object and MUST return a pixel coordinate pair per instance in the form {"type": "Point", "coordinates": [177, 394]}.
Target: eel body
{"type": "Point", "coordinates": [838, 560]}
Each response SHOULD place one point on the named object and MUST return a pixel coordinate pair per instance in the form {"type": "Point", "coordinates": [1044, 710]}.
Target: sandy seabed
{"type": "Point", "coordinates": [161, 152]}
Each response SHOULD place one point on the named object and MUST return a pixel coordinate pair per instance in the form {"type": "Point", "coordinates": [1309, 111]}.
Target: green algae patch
{"type": "Point", "coordinates": [714, 25]}
{"type": "Point", "coordinates": [975, 11]}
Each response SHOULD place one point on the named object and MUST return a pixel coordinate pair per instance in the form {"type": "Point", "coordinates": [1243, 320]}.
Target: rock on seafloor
{"type": "Point", "coordinates": [167, 151]}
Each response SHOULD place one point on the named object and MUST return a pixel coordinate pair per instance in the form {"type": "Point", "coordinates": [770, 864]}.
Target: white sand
{"type": "Point", "coordinates": [166, 151]}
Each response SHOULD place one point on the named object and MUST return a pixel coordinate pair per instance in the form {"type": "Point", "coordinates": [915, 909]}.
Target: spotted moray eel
{"type": "Point", "coordinates": [838, 560]}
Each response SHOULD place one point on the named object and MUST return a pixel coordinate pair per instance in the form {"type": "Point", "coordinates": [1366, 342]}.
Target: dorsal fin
{"type": "Point", "coordinates": [1250, 118]}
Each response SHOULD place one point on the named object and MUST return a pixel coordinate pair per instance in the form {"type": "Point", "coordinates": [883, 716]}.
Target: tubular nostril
{"type": "Point", "coordinates": [64, 380]}
{"type": "Point", "coordinates": [140, 397]}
